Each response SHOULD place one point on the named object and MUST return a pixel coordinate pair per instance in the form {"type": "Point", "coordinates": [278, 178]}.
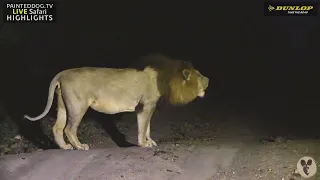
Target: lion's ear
{"type": "Point", "coordinates": [186, 74]}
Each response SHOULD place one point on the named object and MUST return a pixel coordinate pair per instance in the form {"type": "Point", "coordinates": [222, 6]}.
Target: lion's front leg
{"type": "Point", "coordinates": [148, 134]}
{"type": "Point", "coordinates": [144, 117]}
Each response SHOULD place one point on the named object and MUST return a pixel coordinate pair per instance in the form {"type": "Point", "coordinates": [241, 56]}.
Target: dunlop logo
{"type": "Point", "coordinates": [286, 9]}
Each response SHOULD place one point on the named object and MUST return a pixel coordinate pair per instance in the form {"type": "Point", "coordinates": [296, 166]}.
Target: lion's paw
{"type": "Point", "coordinates": [83, 147]}
{"type": "Point", "coordinates": [152, 142]}
{"type": "Point", "coordinates": [67, 147]}
{"type": "Point", "coordinates": [148, 143]}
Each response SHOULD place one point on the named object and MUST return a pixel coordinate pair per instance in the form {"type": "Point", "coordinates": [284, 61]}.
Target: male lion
{"type": "Point", "coordinates": [113, 91]}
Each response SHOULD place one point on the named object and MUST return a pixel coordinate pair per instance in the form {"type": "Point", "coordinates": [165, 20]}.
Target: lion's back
{"type": "Point", "coordinates": [111, 81]}
{"type": "Point", "coordinates": [98, 75]}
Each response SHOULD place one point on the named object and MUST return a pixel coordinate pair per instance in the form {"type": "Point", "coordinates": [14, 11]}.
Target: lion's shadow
{"type": "Point", "coordinates": [107, 122]}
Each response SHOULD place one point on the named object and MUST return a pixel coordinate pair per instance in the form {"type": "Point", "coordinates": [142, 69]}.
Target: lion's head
{"type": "Point", "coordinates": [186, 85]}
{"type": "Point", "coordinates": [178, 81]}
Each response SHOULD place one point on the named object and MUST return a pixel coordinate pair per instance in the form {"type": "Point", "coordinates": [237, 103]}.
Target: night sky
{"type": "Point", "coordinates": [268, 64]}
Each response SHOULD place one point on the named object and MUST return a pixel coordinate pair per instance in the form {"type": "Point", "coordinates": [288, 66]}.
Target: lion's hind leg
{"type": "Point", "coordinates": [76, 111]}
{"type": "Point", "coordinates": [60, 124]}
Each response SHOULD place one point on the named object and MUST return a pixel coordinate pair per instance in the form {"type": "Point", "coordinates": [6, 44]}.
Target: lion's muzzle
{"type": "Point", "coordinates": [206, 82]}
{"type": "Point", "coordinates": [203, 86]}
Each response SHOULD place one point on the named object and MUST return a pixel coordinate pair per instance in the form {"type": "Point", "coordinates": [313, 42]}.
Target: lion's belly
{"type": "Point", "coordinates": [113, 106]}
{"type": "Point", "coordinates": [117, 97]}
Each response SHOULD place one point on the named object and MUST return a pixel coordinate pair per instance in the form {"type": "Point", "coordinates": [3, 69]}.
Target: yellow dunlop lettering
{"type": "Point", "coordinates": [294, 8]}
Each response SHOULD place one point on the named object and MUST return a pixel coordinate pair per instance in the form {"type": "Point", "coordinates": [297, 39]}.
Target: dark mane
{"type": "Point", "coordinates": [161, 62]}
{"type": "Point", "coordinates": [167, 68]}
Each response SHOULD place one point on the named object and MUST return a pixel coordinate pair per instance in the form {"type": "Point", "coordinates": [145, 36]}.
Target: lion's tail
{"type": "Point", "coordinates": [54, 83]}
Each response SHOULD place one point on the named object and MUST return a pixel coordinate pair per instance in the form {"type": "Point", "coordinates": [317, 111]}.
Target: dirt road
{"type": "Point", "coordinates": [118, 163]}
{"type": "Point", "coordinates": [229, 161]}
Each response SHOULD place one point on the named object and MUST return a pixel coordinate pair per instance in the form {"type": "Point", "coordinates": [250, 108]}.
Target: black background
{"type": "Point", "coordinates": [268, 65]}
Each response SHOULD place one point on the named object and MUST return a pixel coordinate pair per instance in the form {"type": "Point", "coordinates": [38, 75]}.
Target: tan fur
{"type": "Point", "coordinates": [183, 92]}
{"type": "Point", "coordinates": [113, 91]}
